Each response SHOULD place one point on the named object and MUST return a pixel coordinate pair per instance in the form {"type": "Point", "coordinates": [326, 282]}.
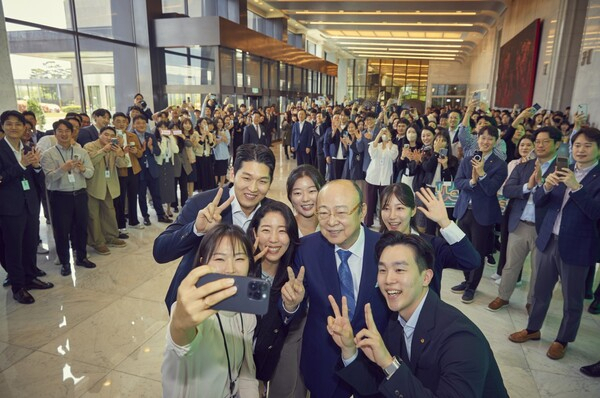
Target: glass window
{"type": "Point", "coordinates": [106, 18]}
{"type": "Point", "coordinates": [265, 74]}
{"type": "Point", "coordinates": [252, 71]}
{"type": "Point", "coordinates": [283, 80]}
{"type": "Point", "coordinates": [170, 6]}
{"type": "Point", "coordinates": [273, 75]}
{"type": "Point", "coordinates": [44, 72]}
{"type": "Point", "coordinates": [239, 68]}
{"type": "Point", "coordinates": [226, 67]}
{"type": "Point", "coordinates": [55, 13]}
{"type": "Point", "coordinates": [296, 78]}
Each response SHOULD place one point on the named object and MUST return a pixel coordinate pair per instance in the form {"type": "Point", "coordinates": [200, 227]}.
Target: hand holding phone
{"type": "Point", "coordinates": [562, 163]}
{"type": "Point", "coordinates": [251, 296]}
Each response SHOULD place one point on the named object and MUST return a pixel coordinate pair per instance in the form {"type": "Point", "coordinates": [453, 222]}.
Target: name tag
{"type": "Point", "coordinates": [107, 173]}
{"type": "Point", "coordinates": [71, 178]}
{"type": "Point", "coordinates": [25, 185]}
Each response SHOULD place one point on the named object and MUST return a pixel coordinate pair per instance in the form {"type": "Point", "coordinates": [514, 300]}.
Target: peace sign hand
{"type": "Point", "coordinates": [293, 290]}
{"type": "Point", "coordinates": [371, 343]}
{"type": "Point", "coordinates": [435, 208]}
{"type": "Point", "coordinates": [211, 214]}
{"type": "Point", "coordinates": [258, 255]}
{"type": "Point", "coordinates": [340, 329]}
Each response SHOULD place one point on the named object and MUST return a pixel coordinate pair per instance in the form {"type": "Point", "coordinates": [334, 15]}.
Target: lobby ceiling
{"type": "Point", "coordinates": [444, 30]}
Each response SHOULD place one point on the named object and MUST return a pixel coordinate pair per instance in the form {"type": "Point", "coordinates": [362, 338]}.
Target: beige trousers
{"type": "Point", "coordinates": [102, 225]}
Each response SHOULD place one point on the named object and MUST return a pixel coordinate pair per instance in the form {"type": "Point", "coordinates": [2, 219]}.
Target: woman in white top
{"type": "Point", "coordinates": [221, 151]}
{"type": "Point", "coordinates": [380, 171]}
{"type": "Point", "coordinates": [166, 165]}
{"type": "Point", "coordinates": [303, 186]}
{"type": "Point", "coordinates": [209, 353]}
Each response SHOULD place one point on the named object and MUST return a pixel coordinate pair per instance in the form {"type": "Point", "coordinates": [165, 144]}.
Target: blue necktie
{"type": "Point", "coordinates": [346, 284]}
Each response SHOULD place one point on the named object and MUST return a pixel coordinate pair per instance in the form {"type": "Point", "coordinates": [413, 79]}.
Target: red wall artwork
{"type": "Point", "coordinates": [518, 66]}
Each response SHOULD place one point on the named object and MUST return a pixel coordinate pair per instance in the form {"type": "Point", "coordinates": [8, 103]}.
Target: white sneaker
{"type": "Point", "coordinates": [137, 226]}
{"type": "Point", "coordinates": [495, 276]}
{"type": "Point", "coordinates": [497, 281]}
{"type": "Point", "coordinates": [123, 230]}
{"type": "Point", "coordinates": [41, 249]}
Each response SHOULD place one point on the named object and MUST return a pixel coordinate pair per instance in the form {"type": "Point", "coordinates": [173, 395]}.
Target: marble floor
{"type": "Point", "coordinates": [100, 332]}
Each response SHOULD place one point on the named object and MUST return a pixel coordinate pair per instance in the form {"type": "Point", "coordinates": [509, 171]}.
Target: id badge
{"type": "Point", "coordinates": [71, 178]}
{"type": "Point", "coordinates": [107, 173]}
{"type": "Point", "coordinates": [25, 185]}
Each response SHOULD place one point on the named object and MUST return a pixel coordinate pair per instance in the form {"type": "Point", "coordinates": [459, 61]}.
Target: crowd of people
{"type": "Point", "coordinates": [365, 210]}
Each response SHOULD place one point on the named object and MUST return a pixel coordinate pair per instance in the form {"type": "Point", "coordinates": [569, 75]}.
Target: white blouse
{"type": "Point", "coordinates": [200, 368]}
{"type": "Point", "coordinates": [381, 168]}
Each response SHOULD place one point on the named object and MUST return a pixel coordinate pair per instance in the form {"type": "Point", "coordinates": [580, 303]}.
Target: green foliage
{"type": "Point", "coordinates": [71, 108]}
{"type": "Point", "coordinates": [34, 106]}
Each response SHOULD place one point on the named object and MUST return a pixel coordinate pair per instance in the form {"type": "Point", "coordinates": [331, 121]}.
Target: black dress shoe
{"type": "Point", "coordinates": [123, 236]}
{"type": "Point", "coordinates": [35, 283]}
{"type": "Point", "coordinates": [589, 295]}
{"type": "Point", "coordinates": [65, 270]}
{"type": "Point", "coordinates": [147, 221]}
{"type": "Point", "coordinates": [594, 308]}
{"type": "Point", "coordinates": [86, 263]}
{"type": "Point", "coordinates": [591, 370]}
{"type": "Point", "coordinates": [6, 282]}
{"type": "Point", "coordinates": [23, 296]}
{"type": "Point", "coordinates": [164, 219]}
{"type": "Point", "coordinates": [39, 272]}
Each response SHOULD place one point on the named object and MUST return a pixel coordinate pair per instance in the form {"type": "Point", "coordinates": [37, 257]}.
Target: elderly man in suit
{"type": "Point", "coordinates": [429, 348]}
{"type": "Point", "coordinates": [20, 175]}
{"type": "Point", "coordinates": [302, 132]}
{"type": "Point", "coordinates": [521, 219]}
{"type": "Point", "coordinates": [91, 133]}
{"type": "Point", "coordinates": [106, 154]}
{"type": "Point", "coordinates": [477, 209]}
{"type": "Point", "coordinates": [338, 261]}
{"type": "Point", "coordinates": [255, 133]}
{"type": "Point", "coordinates": [568, 204]}
{"type": "Point", "coordinates": [236, 204]}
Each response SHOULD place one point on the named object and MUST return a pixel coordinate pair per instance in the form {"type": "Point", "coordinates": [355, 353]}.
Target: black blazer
{"type": "Point", "coordinates": [251, 135]}
{"type": "Point", "coordinates": [179, 238]}
{"type": "Point", "coordinates": [87, 134]}
{"type": "Point", "coordinates": [13, 199]}
{"type": "Point", "coordinates": [450, 357]}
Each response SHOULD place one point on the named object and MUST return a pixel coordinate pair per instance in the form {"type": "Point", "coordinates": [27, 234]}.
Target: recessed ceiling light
{"type": "Point", "coordinates": [379, 12]}
{"type": "Point", "coordinates": [395, 38]}
{"type": "Point", "coordinates": [448, 24]}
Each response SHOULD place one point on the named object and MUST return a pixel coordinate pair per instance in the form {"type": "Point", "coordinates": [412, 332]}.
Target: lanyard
{"type": "Point", "coordinates": [231, 381]}
{"type": "Point", "coordinates": [63, 158]}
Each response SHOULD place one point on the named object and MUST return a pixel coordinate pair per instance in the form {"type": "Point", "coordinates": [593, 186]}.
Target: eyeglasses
{"type": "Point", "coordinates": [542, 142]}
{"type": "Point", "coordinates": [339, 215]}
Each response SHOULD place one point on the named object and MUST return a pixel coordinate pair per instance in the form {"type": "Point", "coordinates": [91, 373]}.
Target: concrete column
{"type": "Point", "coordinates": [8, 99]}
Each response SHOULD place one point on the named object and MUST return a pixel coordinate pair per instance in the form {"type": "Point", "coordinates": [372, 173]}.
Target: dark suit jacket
{"type": "Point", "coordinates": [148, 157]}
{"type": "Point", "coordinates": [483, 196]}
{"type": "Point", "coordinates": [87, 134]}
{"type": "Point", "coordinates": [450, 357]}
{"type": "Point", "coordinates": [319, 139]}
{"type": "Point", "coordinates": [301, 139]}
{"type": "Point", "coordinates": [13, 199]}
{"type": "Point", "coordinates": [579, 237]}
{"type": "Point", "coordinates": [179, 238]}
{"type": "Point", "coordinates": [513, 189]}
{"type": "Point", "coordinates": [319, 352]}
{"type": "Point", "coordinates": [251, 135]}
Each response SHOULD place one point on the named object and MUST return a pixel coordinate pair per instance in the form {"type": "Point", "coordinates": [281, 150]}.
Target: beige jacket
{"type": "Point", "coordinates": [104, 162]}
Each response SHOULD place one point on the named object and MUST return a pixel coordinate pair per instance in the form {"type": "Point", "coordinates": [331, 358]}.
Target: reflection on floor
{"type": "Point", "coordinates": [101, 332]}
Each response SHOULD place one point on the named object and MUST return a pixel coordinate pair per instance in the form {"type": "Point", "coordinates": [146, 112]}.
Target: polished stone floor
{"type": "Point", "coordinates": [101, 332]}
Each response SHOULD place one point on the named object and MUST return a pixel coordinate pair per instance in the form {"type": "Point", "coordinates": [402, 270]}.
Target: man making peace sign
{"type": "Point", "coordinates": [236, 204]}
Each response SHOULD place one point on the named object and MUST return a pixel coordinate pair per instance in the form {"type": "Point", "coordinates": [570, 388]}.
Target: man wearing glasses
{"type": "Point", "coordinates": [338, 261]}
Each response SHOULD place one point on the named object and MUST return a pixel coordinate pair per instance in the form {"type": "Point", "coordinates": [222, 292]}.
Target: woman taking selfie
{"type": "Point", "coordinates": [303, 186]}
{"type": "Point", "coordinates": [209, 353]}
{"type": "Point", "coordinates": [452, 250]}
{"type": "Point", "coordinates": [277, 346]}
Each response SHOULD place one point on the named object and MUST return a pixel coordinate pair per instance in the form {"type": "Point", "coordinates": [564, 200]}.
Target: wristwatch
{"type": "Point", "coordinates": [394, 366]}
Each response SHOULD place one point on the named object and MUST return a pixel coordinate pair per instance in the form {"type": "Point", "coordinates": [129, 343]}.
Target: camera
{"type": "Point", "coordinates": [143, 104]}
{"type": "Point", "coordinates": [478, 155]}
{"type": "Point", "coordinates": [257, 290]}
{"type": "Point", "coordinates": [114, 141]}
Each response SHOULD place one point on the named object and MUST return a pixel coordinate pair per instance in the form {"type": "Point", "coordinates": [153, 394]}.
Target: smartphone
{"type": "Point", "coordinates": [443, 152]}
{"type": "Point", "coordinates": [132, 144]}
{"type": "Point", "coordinates": [76, 157]}
{"type": "Point", "coordinates": [478, 155]}
{"type": "Point", "coordinates": [582, 109]}
{"type": "Point", "coordinates": [562, 163]}
{"type": "Point", "coordinates": [406, 146]}
{"type": "Point", "coordinates": [477, 96]}
{"type": "Point", "coordinates": [252, 296]}
{"type": "Point", "coordinates": [114, 141]}
{"type": "Point", "coordinates": [537, 106]}
{"type": "Point", "coordinates": [26, 149]}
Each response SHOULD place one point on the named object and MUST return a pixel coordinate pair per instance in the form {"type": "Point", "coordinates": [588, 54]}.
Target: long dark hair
{"type": "Point", "coordinates": [157, 134]}
{"type": "Point", "coordinates": [305, 170]}
{"type": "Point", "coordinates": [404, 194]}
{"type": "Point", "coordinates": [211, 240]}
{"type": "Point", "coordinates": [291, 228]}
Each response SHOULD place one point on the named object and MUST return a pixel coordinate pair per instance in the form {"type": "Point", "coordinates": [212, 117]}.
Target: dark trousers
{"type": "Point", "coordinates": [129, 191]}
{"type": "Point", "coordinates": [20, 238]}
{"type": "Point", "coordinates": [338, 168]}
{"type": "Point", "coordinates": [321, 164]}
{"type": "Point", "coordinates": [589, 280]}
{"type": "Point", "coordinates": [147, 182]}
{"type": "Point", "coordinates": [373, 192]}
{"type": "Point", "coordinates": [482, 238]}
{"type": "Point", "coordinates": [182, 181]}
{"type": "Point", "coordinates": [69, 220]}
{"type": "Point", "coordinates": [550, 268]}
{"type": "Point", "coordinates": [302, 157]}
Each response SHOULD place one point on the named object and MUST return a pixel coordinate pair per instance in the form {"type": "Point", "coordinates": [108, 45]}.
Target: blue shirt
{"type": "Point", "coordinates": [529, 210]}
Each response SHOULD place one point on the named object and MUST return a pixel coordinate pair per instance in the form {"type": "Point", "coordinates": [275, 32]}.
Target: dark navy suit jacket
{"type": "Point", "coordinates": [319, 353]}
{"type": "Point", "coordinates": [179, 238]}
{"type": "Point", "coordinates": [251, 135]}
{"type": "Point", "coordinates": [148, 157]}
{"type": "Point", "coordinates": [578, 234]}
{"type": "Point", "coordinates": [15, 201]}
{"type": "Point", "coordinates": [87, 134]}
{"type": "Point", "coordinates": [513, 189]}
{"type": "Point", "coordinates": [484, 201]}
{"type": "Point", "coordinates": [450, 357]}
{"type": "Point", "coordinates": [302, 139]}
